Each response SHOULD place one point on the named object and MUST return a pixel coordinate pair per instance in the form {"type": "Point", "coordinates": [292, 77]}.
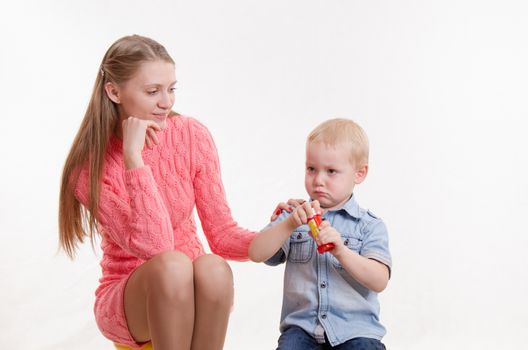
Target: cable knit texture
{"type": "Point", "coordinates": [149, 210]}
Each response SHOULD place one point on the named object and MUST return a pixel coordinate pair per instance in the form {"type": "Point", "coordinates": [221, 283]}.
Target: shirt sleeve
{"type": "Point", "coordinates": [137, 221]}
{"type": "Point", "coordinates": [223, 234]}
{"type": "Point", "coordinates": [376, 243]}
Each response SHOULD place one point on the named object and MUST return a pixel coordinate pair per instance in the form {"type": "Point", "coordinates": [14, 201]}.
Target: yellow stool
{"type": "Point", "coordinates": [147, 346]}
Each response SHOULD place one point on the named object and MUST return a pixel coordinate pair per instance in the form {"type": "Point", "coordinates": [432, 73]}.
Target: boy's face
{"type": "Point", "coordinates": [330, 175]}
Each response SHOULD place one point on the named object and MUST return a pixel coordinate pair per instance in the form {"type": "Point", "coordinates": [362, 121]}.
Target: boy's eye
{"type": "Point", "coordinates": [310, 169]}
{"type": "Point", "coordinates": [332, 171]}
{"type": "Point", "coordinates": [172, 89]}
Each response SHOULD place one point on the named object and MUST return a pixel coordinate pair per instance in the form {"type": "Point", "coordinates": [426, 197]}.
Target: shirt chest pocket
{"type": "Point", "coordinates": [352, 241]}
{"type": "Point", "coordinates": [301, 247]}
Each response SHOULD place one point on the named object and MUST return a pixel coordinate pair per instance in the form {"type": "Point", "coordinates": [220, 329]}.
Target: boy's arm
{"type": "Point", "coordinates": [269, 241]}
{"type": "Point", "coordinates": [370, 273]}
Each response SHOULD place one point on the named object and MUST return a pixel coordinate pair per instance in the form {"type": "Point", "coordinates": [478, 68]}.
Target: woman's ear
{"type": "Point", "coordinates": [360, 174]}
{"type": "Point", "coordinates": [112, 91]}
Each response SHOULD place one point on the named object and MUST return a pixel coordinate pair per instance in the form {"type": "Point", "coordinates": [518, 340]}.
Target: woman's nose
{"type": "Point", "coordinates": [165, 102]}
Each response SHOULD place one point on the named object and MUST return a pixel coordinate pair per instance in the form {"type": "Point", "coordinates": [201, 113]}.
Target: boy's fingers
{"type": "Point", "coordinates": [302, 216]}
{"type": "Point", "coordinates": [307, 208]}
{"type": "Point", "coordinates": [298, 217]}
{"type": "Point", "coordinates": [317, 207]}
{"type": "Point", "coordinates": [324, 224]}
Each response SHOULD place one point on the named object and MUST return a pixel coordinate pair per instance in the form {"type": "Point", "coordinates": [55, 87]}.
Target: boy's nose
{"type": "Point", "coordinates": [318, 180]}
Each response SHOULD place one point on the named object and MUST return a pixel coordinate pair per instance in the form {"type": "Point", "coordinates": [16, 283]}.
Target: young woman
{"type": "Point", "coordinates": [157, 284]}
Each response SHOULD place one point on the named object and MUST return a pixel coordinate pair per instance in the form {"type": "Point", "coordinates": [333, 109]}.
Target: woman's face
{"type": "Point", "coordinates": [149, 94]}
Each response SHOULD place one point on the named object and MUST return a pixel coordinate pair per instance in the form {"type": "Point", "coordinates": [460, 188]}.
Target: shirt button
{"type": "Point", "coordinates": [299, 236]}
{"type": "Point", "coordinates": [346, 242]}
{"type": "Point", "coordinates": [323, 316]}
{"type": "Point", "coordinates": [323, 284]}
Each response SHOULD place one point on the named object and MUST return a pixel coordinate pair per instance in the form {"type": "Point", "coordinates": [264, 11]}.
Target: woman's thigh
{"type": "Point", "coordinates": [168, 277]}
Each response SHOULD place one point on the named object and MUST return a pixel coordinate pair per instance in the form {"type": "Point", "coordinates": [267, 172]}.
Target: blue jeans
{"type": "Point", "coordinates": [294, 338]}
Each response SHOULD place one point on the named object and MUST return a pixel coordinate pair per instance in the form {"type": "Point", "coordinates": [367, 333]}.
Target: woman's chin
{"type": "Point", "coordinates": [162, 123]}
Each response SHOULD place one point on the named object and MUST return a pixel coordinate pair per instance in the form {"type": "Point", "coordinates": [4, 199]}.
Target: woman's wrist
{"type": "Point", "coordinates": [133, 161]}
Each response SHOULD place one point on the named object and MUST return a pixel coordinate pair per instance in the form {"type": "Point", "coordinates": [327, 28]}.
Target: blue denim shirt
{"type": "Point", "coordinates": [319, 295]}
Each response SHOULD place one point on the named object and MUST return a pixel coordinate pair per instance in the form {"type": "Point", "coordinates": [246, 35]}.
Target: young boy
{"type": "Point", "coordinates": [330, 300]}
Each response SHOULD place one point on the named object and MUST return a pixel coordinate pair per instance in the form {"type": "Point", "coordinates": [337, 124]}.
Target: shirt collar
{"type": "Point", "coordinates": [351, 207]}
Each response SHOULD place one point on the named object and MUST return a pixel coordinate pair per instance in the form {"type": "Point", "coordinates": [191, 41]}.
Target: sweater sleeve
{"type": "Point", "coordinates": [223, 234]}
{"type": "Point", "coordinates": [137, 220]}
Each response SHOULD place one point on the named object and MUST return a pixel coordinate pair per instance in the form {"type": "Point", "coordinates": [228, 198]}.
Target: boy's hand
{"type": "Point", "coordinates": [301, 214]}
{"type": "Point", "coordinates": [328, 234]}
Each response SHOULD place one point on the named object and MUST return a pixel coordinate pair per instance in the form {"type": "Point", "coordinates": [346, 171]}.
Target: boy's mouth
{"type": "Point", "coordinates": [320, 194]}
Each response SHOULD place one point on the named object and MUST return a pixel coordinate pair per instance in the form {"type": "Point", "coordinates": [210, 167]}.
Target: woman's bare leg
{"type": "Point", "coordinates": [213, 296]}
{"type": "Point", "coordinates": [159, 302]}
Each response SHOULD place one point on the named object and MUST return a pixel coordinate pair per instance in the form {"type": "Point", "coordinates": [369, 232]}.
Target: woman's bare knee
{"type": "Point", "coordinates": [170, 274]}
{"type": "Point", "coordinates": [165, 280]}
{"type": "Point", "coordinates": [213, 279]}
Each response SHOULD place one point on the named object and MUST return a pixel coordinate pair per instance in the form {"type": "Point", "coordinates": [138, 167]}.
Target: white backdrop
{"type": "Point", "coordinates": [439, 86]}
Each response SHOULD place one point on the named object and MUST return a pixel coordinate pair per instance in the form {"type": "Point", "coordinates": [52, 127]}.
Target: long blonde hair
{"type": "Point", "coordinates": [119, 64]}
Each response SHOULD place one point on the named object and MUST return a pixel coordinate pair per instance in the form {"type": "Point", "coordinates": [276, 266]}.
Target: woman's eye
{"type": "Point", "coordinates": [152, 92]}
{"type": "Point", "coordinates": [172, 89]}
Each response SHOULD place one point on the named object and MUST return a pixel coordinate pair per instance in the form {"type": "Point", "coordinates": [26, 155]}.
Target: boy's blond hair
{"type": "Point", "coordinates": [338, 131]}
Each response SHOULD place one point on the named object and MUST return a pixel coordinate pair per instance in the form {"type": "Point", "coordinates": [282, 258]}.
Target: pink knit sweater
{"type": "Point", "coordinates": [149, 210]}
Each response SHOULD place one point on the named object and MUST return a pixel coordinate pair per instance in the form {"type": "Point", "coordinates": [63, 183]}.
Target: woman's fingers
{"type": "Point", "coordinates": [278, 210]}
{"type": "Point", "coordinates": [295, 202]}
{"type": "Point", "coordinates": [152, 124]}
{"type": "Point", "coordinates": [148, 141]}
{"type": "Point", "coordinates": [289, 206]}
{"type": "Point", "coordinates": [308, 209]}
{"type": "Point", "coordinates": [138, 132]}
{"type": "Point", "coordinates": [152, 135]}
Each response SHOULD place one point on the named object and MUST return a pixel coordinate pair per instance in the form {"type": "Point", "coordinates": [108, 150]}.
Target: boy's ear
{"type": "Point", "coordinates": [112, 91]}
{"type": "Point", "coordinates": [360, 174]}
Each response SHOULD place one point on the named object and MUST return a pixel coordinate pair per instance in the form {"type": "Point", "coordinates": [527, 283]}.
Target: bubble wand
{"type": "Point", "coordinates": [314, 222]}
